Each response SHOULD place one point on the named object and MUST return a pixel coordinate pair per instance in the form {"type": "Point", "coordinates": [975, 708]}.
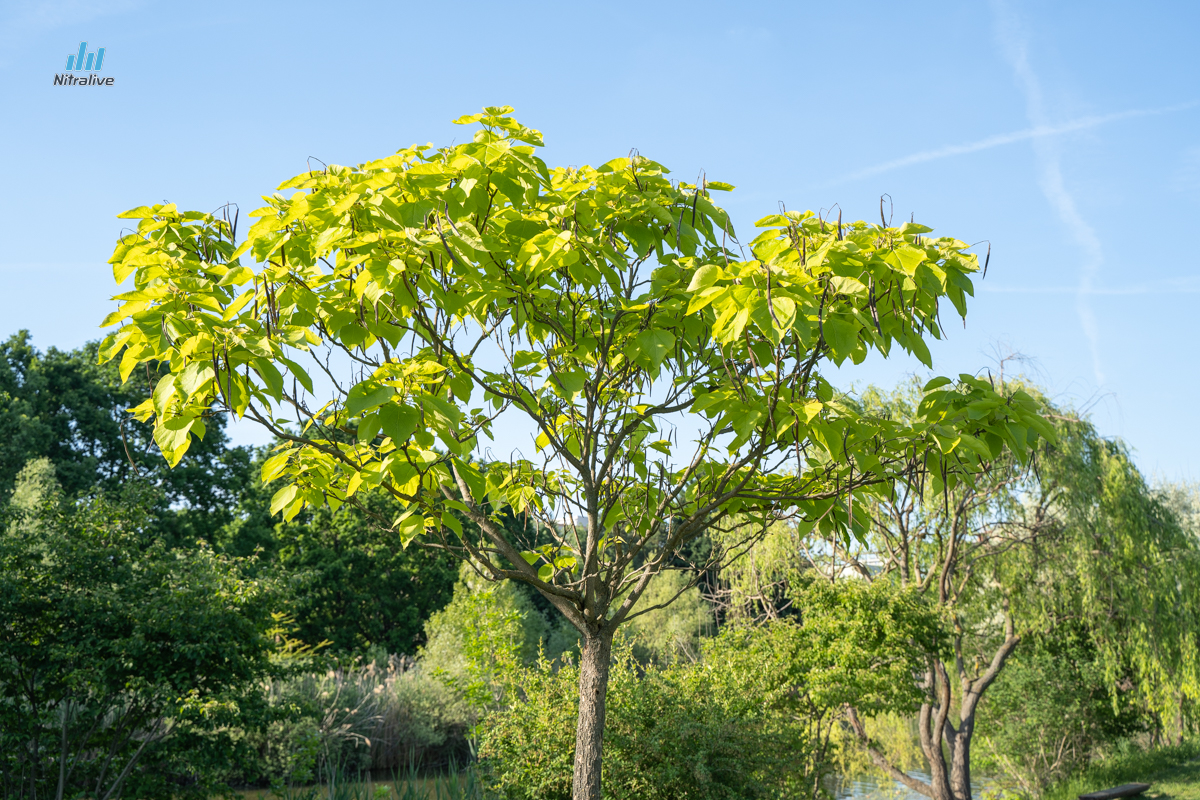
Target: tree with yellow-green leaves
{"type": "Point", "coordinates": [383, 320]}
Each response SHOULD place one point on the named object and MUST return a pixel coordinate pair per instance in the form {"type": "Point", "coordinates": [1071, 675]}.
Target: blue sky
{"type": "Point", "coordinates": [1065, 134]}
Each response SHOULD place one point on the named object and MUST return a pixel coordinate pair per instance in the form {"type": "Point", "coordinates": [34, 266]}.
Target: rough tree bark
{"type": "Point", "coordinates": [589, 732]}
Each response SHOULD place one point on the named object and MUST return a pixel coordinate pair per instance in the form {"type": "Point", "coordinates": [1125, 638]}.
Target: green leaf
{"type": "Point", "coordinates": [936, 383]}
{"type": "Point", "coordinates": [910, 257]}
{"type": "Point", "coordinates": [283, 498]}
{"type": "Point", "coordinates": [920, 350]}
{"type": "Point", "coordinates": [450, 521]}
{"type": "Point", "coordinates": [365, 396]}
{"type": "Point", "coordinates": [651, 347]}
{"type": "Point", "coordinates": [410, 526]}
{"type": "Point", "coordinates": [841, 334]}
{"type": "Point", "coordinates": [398, 422]}
{"type": "Point", "coordinates": [299, 373]}
{"type": "Point", "coordinates": [195, 377]}
{"type": "Point", "coordinates": [368, 428]}
{"type": "Point", "coordinates": [704, 277]}
{"type": "Point", "coordinates": [141, 212]}
{"type": "Point", "coordinates": [271, 377]}
{"type": "Point", "coordinates": [274, 466]}
{"type": "Point", "coordinates": [572, 382]}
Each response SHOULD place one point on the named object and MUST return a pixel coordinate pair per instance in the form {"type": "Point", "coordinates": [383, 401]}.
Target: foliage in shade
{"type": "Point", "coordinates": [65, 407]}
{"type": "Point", "coordinates": [354, 585]}
{"type": "Point", "coordinates": [1053, 711]}
{"type": "Point", "coordinates": [112, 644]}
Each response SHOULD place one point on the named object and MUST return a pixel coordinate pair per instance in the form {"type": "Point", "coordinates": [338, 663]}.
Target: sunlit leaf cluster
{"type": "Point", "coordinates": [382, 321]}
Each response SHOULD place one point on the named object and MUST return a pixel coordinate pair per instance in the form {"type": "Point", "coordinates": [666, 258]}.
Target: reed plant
{"type": "Point", "coordinates": [382, 715]}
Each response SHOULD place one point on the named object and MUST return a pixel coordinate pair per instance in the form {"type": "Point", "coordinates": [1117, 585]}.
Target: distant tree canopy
{"type": "Point", "coordinates": [349, 584]}
{"type": "Point", "coordinates": [63, 406]}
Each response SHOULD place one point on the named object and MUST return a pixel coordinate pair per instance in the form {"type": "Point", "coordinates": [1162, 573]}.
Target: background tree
{"type": "Point", "coordinates": [1078, 555]}
{"type": "Point", "coordinates": [350, 584]}
{"type": "Point", "coordinates": [112, 643]}
{"type": "Point", "coordinates": [671, 384]}
{"type": "Point", "coordinates": [66, 407]}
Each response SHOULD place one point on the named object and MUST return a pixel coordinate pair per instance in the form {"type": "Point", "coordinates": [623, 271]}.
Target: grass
{"type": "Point", "coordinates": [1173, 773]}
{"type": "Point", "coordinates": [455, 785]}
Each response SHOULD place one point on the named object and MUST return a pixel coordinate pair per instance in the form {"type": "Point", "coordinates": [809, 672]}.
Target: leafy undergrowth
{"type": "Point", "coordinates": [1172, 772]}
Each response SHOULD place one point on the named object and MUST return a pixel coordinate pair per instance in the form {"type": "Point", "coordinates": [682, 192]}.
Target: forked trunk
{"type": "Point", "coordinates": [589, 731]}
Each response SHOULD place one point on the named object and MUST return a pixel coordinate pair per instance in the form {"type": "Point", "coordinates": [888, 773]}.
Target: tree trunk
{"type": "Point", "coordinates": [959, 741]}
{"type": "Point", "coordinates": [589, 731]}
{"type": "Point", "coordinates": [960, 760]}
{"type": "Point", "coordinates": [930, 727]}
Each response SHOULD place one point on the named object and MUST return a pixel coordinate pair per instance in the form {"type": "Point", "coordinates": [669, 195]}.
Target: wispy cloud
{"type": "Point", "coordinates": [1013, 43]}
{"type": "Point", "coordinates": [1001, 139]}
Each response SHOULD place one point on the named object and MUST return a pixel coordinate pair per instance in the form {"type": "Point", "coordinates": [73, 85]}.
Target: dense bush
{"type": "Point", "coordinates": [757, 715]}
{"type": "Point", "coordinates": [1052, 713]}
{"type": "Point", "coordinates": [670, 734]}
{"type": "Point", "coordinates": [113, 644]}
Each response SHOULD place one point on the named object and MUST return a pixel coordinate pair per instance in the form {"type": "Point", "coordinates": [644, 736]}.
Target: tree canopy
{"type": "Point", "coordinates": [1069, 558]}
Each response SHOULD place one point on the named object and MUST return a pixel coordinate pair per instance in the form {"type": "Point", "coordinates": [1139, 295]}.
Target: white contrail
{"type": "Point", "coordinates": [1184, 286]}
{"type": "Point", "coordinates": [1036, 132]}
{"type": "Point", "coordinates": [1012, 43]}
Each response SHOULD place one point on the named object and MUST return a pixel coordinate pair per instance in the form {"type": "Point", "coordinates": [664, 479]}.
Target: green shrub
{"type": "Point", "coordinates": [1051, 713]}
{"type": "Point", "coordinates": [670, 734]}
{"type": "Point", "coordinates": [114, 648]}
{"type": "Point", "coordinates": [487, 630]}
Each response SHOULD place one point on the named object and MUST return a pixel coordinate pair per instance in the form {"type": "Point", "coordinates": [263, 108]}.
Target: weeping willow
{"type": "Point", "coordinates": [1074, 539]}
{"type": "Point", "coordinates": [1125, 564]}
